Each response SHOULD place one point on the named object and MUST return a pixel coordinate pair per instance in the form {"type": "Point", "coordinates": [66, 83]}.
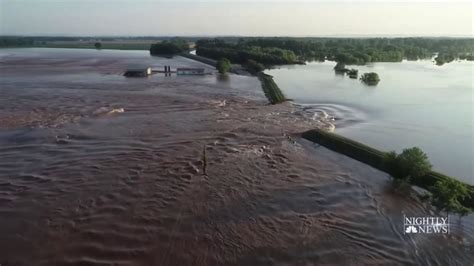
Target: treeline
{"type": "Point", "coordinates": [169, 47]}
{"type": "Point", "coordinates": [97, 38]}
{"type": "Point", "coordinates": [16, 42]}
{"type": "Point", "coordinates": [20, 41]}
{"type": "Point", "coordinates": [351, 51]}
{"type": "Point", "coordinates": [361, 51]}
{"type": "Point", "coordinates": [243, 53]}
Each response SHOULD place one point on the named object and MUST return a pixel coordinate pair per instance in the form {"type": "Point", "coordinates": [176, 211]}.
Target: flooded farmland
{"type": "Point", "coordinates": [99, 169]}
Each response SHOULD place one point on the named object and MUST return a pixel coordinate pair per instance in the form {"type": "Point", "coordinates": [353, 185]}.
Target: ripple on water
{"type": "Point", "coordinates": [332, 116]}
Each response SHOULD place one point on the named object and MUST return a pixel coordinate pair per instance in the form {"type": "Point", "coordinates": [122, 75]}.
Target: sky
{"type": "Point", "coordinates": [236, 18]}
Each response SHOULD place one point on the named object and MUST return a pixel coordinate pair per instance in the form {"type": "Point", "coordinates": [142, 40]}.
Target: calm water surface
{"type": "Point", "coordinates": [415, 104]}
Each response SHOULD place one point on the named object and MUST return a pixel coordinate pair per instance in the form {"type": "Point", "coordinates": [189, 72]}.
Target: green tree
{"type": "Point", "coordinates": [254, 66]}
{"type": "Point", "coordinates": [340, 67]}
{"type": "Point", "coordinates": [371, 78]}
{"type": "Point", "coordinates": [98, 45]}
{"type": "Point", "coordinates": [351, 51]}
{"type": "Point", "coordinates": [223, 65]}
{"type": "Point", "coordinates": [441, 59]}
{"type": "Point", "coordinates": [447, 195]}
{"type": "Point", "coordinates": [353, 73]}
{"type": "Point", "coordinates": [411, 164]}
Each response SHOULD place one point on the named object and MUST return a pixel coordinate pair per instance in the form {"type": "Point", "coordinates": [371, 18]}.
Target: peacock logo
{"type": "Point", "coordinates": [411, 230]}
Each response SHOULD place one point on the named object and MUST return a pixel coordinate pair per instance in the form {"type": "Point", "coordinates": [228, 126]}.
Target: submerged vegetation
{"type": "Point", "coordinates": [352, 73]}
{"type": "Point", "coordinates": [442, 59]}
{"type": "Point", "coordinates": [350, 51]}
{"type": "Point", "coordinates": [169, 47]}
{"type": "Point", "coordinates": [410, 165]}
{"type": "Point", "coordinates": [355, 51]}
{"type": "Point", "coordinates": [254, 67]}
{"type": "Point", "coordinates": [468, 57]}
{"type": "Point", "coordinates": [448, 195]}
{"type": "Point", "coordinates": [273, 51]}
{"type": "Point", "coordinates": [340, 67]}
{"type": "Point", "coordinates": [371, 78]}
{"type": "Point", "coordinates": [223, 65]}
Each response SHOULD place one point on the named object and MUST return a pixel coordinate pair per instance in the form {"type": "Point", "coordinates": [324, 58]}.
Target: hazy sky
{"type": "Point", "coordinates": [227, 17]}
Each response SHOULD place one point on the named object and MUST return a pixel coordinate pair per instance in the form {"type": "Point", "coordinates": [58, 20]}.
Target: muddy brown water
{"type": "Point", "coordinates": [98, 169]}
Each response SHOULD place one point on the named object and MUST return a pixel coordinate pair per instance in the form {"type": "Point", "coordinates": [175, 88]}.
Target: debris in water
{"type": "Point", "coordinates": [114, 111]}
{"type": "Point", "coordinates": [204, 160]}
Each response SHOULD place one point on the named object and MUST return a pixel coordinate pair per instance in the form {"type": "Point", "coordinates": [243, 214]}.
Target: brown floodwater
{"type": "Point", "coordinates": [98, 169]}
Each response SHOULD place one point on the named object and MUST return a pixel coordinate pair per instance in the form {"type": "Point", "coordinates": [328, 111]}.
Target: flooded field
{"type": "Point", "coordinates": [98, 169]}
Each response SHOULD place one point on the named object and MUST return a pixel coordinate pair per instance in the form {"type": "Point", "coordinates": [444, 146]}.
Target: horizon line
{"type": "Point", "coordinates": [244, 36]}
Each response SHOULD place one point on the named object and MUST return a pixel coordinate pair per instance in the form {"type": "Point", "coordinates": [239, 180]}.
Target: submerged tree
{"type": "Point", "coordinates": [254, 67]}
{"type": "Point", "coordinates": [340, 67]}
{"type": "Point", "coordinates": [353, 73]}
{"type": "Point", "coordinates": [223, 65]}
{"type": "Point", "coordinates": [468, 57]}
{"type": "Point", "coordinates": [447, 195]}
{"type": "Point", "coordinates": [444, 58]}
{"type": "Point", "coordinates": [411, 164]}
{"type": "Point", "coordinates": [98, 45]}
{"type": "Point", "coordinates": [371, 78]}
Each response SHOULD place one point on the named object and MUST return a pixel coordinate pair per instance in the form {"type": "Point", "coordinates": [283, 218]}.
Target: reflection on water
{"type": "Point", "coordinates": [98, 169]}
{"type": "Point", "coordinates": [415, 104]}
{"type": "Point", "coordinates": [223, 78]}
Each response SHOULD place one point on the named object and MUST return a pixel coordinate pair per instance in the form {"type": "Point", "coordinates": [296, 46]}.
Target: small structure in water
{"type": "Point", "coordinates": [138, 72]}
{"type": "Point", "coordinates": [190, 71]}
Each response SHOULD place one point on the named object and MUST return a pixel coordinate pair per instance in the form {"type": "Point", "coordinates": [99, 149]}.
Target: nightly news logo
{"type": "Point", "coordinates": [426, 225]}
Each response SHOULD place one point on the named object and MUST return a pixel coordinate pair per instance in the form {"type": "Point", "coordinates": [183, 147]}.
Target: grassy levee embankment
{"type": "Point", "coordinates": [271, 89]}
{"type": "Point", "coordinates": [201, 59]}
{"type": "Point", "coordinates": [373, 157]}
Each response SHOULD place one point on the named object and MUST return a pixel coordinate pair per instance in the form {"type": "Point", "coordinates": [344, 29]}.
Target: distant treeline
{"type": "Point", "coordinates": [351, 51]}
{"type": "Point", "coordinates": [90, 38]}
{"type": "Point", "coordinates": [125, 43]}
{"type": "Point", "coordinates": [16, 42]}
{"type": "Point", "coordinates": [169, 47]}
{"type": "Point", "coordinates": [242, 53]}
{"type": "Point", "coordinates": [286, 50]}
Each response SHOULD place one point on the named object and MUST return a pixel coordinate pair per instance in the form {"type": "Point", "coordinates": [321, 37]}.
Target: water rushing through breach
{"type": "Point", "coordinates": [415, 104]}
{"type": "Point", "coordinates": [98, 169]}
